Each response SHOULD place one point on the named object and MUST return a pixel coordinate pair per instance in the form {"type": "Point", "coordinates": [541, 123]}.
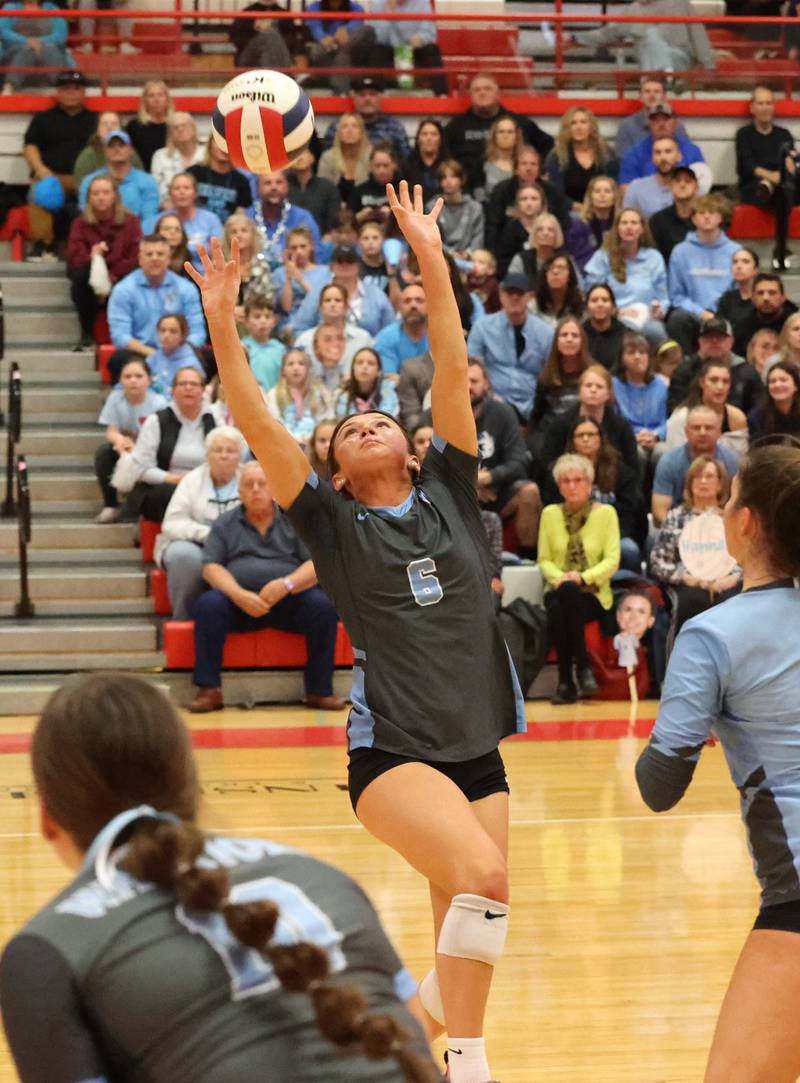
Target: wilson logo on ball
{"type": "Point", "coordinates": [262, 119]}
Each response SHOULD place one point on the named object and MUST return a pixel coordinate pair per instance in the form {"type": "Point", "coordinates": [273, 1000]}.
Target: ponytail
{"type": "Point", "coordinates": [769, 484]}
{"type": "Point", "coordinates": [165, 853]}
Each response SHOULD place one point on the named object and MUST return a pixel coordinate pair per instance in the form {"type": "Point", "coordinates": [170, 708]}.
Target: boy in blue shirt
{"type": "Point", "coordinates": [264, 351]}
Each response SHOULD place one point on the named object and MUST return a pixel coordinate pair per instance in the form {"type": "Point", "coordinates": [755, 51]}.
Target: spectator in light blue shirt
{"type": "Point", "coordinates": [406, 337]}
{"type": "Point", "coordinates": [654, 193]}
{"type": "Point", "coordinates": [199, 224]}
{"type": "Point", "coordinates": [138, 189]}
{"type": "Point", "coordinates": [641, 397]}
{"type": "Point", "coordinates": [276, 216]}
{"type": "Point", "coordinates": [638, 161]}
{"type": "Point", "coordinates": [703, 430]}
{"type": "Point", "coordinates": [140, 299]}
{"type": "Point", "coordinates": [513, 344]}
{"type": "Point", "coordinates": [32, 43]}
{"type": "Point", "coordinates": [367, 306]}
{"type": "Point", "coordinates": [173, 354]}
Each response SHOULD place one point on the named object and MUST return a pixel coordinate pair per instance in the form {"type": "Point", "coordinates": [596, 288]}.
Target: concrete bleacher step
{"type": "Point", "coordinates": [50, 484]}
{"type": "Point", "coordinates": [96, 558]}
{"type": "Point", "coordinates": [31, 695]}
{"type": "Point", "coordinates": [82, 607]}
{"type": "Point", "coordinates": [47, 441]}
{"type": "Point", "coordinates": [32, 288]}
{"type": "Point", "coordinates": [25, 326]}
{"type": "Point", "coordinates": [66, 661]}
{"type": "Point", "coordinates": [72, 583]}
{"type": "Point", "coordinates": [73, 404]}
{"type": "Point", "coordinates": [58, 363]}
{"type": "Point", "coordinates": [61, 534]}
{"type": "Point", "coordinates": [55, 636]}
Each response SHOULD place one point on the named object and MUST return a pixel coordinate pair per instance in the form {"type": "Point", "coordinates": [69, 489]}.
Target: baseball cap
{"type": "Point", "coordinates": [516, 282]}
{"type": "Point", "coordinates": [344, 253]}
{"type": "Point", "coordinates": [367, 82]}
{"type": "Point", "coordinates": [70, 78]}
{"type": "Point", "coordinates": [687, 169]}
{"type": "Point", "coordinates": [715, 326]}
{"type": "Point", "coordinates": [663, 109]}
{"type": "Point", "coordinates": [117, 134]}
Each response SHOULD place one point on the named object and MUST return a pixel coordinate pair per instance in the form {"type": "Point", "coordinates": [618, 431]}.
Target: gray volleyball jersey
{"type": "Point", "coordinates": [432, 676]}
{"type": "Point", "coordinates": [113, 982]}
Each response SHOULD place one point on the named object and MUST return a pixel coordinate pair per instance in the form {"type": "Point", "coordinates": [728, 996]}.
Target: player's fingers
{"type": "Point", "coordinates": [391, 195]}
{"type": "Point", "coordinates": [234, 249]}
{"type": "Point", "coordinates": [208, 266]}
{"type": "Point", "coordinates": [436, 209]}
{"type": "Point", "coordinates": [217, 255]}
{"type": "Point", "coordinates": [404, 198]}
{"type": "Point", "coordinates": [193, 273]}
{"type": "Point", "coordinates": [419, 206]}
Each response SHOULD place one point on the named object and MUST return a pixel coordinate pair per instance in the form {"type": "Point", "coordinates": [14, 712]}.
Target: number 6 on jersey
{"type": "Point", "coordinates": [425, 587]}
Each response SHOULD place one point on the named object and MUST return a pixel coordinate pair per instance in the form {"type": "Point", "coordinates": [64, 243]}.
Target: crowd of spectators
{"type": "Point", "coordinates": [608, 316]}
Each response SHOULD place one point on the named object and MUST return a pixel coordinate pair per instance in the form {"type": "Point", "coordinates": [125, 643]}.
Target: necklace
{"type": "Point", "coordinates": [271, 252]}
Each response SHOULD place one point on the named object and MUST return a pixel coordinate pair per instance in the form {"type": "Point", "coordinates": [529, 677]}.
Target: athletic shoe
{"type": "Point", "coordinates": [586, 682]}
{"type": "Point", "coordinates": [565, 693]}
{"type": "Point", "coordinates": [109, 515]}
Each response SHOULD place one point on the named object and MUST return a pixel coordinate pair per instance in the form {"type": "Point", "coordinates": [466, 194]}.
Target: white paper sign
{"type": "Point", "coordinates": [702, 547]}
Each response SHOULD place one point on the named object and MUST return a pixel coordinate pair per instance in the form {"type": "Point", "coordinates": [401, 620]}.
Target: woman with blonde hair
{"type": "Point", "coordinates": [502, 149]}
{"type": "Point", "coordinates": [182, 150]}
{"type": "Point", "coordinates": [148, 129]}
{"type": "Point", "coordinates": [346, 163]}
{"type": "Point", "coordinates": [579, 155]}
{"type": "Point", "coordinates": [171, 229]}
{"type": "Point", "coordinates": [256, 277]}
{"type": "Point", "coordinates": [600, 206]}
{"type": "Point", "coordinates": [299, 400]}
{"type": "Point", "coordinates": [788, 343]}
{"type": "Point", "coordinates": [546, 239]}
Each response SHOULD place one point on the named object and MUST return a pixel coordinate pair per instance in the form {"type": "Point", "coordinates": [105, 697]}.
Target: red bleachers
{"type": "Point", "coordinates": [159, 593]}
{"type": "Point", "coordinates": [468, 51]}
{"type": "Point", "coordinates": [757, 224]}
{"type": "Point", "coordinates": [266, 649]}
{"type": "Point", "coordinates": [148, 532]}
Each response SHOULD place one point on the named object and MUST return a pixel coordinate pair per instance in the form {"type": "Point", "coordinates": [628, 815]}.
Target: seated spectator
{"type": "Point", "coordinates": [275, 215]}
{"type": "Point", "coordinates": [599, 206]}
{"type": "Point", "coordinates": [503, 145]}
{"type": "Point", "coordinates": [104, 228]}
{"type": "Point", "coordinates": [138, 190]}
{"type": "Point", "coordinates": [336, 41]}
{"type": "Point", "coordinates": [662, 122]}
{"type": "Point", "coordinates": [546, 238]}
{"type": "Point", "coordinates": [29, 42]}
{"type": "Point", "coordinates": [761, 347]}
{"type": "Point", "coordinates": [461, 218]}
{"type": "Point", "coordinates": [714, 344]}
{"type": "Point", "coordinates": [711, 387]}
{"type": "Point", "coordinates": [502, 200]}
{"type": "Point", "coordinates": [92, 158]}
{"type": "Point", "coordinates": [221, 189]}
{"type": "Point", "coordinates": [123, 414]}
{"type": "Point", "coordinates": [260, 576]}
{"type": "Point", "coordinates": [380, 127]}
{"type": "Point", "coordinates": [372, 261]}
{"type": "Point", "coordinates": [503, 483]}
{"type": "Point", "coordinates": [703, 430]}
{"type": "Point", "coordinates": [483, 279]}
{"type": "Point", "coordinates": [181, 151]}
{"type": "Point", "coordinates": [669, 356]}
{"type": "Point", "coordinates": [517, 232]}
{"type": "Point", "coordinates": [421, 436]}
{"type": "Point", "coordinates": [254, 39]}
{"type": "Point", "coordinates": [580, 154]}
{"type": "Point", "coordinates": [346, 163]}
{"type": "Point", "coordinates": [736, 304]}
{"type": "Point", "coordinates": [148, 129]}
{"type": "Point", "coordinates": [578, 554]}
{"type": "Point", "coordinates": [788, 342]}
{"type": "Point", "coordinates": [138, 300]}
{"type": "Point", "coordinates": [367, 306]}
{"type": "Point", "coordinates": [317, 195]}
{"type": "Point", "coordinates": [670, 225]}
{"type": "Point", "coordinates": [254, 270]}
{"type": "Point", "coordinates": [761, 148]}
{"type": "Point", "coordinates": [201, 497]}
{"type": "Point", "coordinates": [470, 306]}
{"type": "Point", "coordinates": [595, 401]}
{"type": "Point", "coordinates": [199, 225]}
{"type": "Point", "coordinates": [328, 364]}
{"type": "Point", "coordinates": [641, 397]}
{"type": "Point", "coordinates": [466, 133]}
{"type": "Point", "coordinates": [333, 310]}
{"type": "Point", "coordinates": [654, 193]}
{"type": "Point", "coordinates": [170, 444]}
{"type": "Point", "coordinates": [699, 271]}
{"type": "Point", "coordinates": [299, 400]}
{"type": "Point", "coordinates": [634, 128]}
{"type": "Point", "coordinates": [371, 194]}
{"type": "Point", "coordinates": [513, 345]}
{"type": "Point", "coordinates": [298, 274]}
{"type": "Point", "coordinates": [366, 388]}
{"type": "Point", "coordinates": [427, 154]}
{"type": "Point", "coordinates": [172, 355]}
{"type": "Point", "coordinates": [779, 412]}
{"type": "Point", "coordinates": [171, 229]}
{"type": "Point", "coordinates": [414, 391]}
{"type": "Point", "coordinates": [604, 331]}
{"type": "Point", "coordinates": [705, 492]}
{"type": "Point", "coordinates": [318, 447]}
{"type": "Point", "coordinates": [264, 352]}
{"type": "Point", "coordinates": [408, 336]}
{"type": "Point", "coordinates": [418, 35]}
{"type": "Point", "coordinates": [636, 272]}
{"type": "Point", "coordinates": [558, 293]}
{"type": "Point", "coordinates": [615, 483]}
{"type": "Point", "coordinates": [557, 386]}
{"type": "Point", "coordinates": [771, 309]}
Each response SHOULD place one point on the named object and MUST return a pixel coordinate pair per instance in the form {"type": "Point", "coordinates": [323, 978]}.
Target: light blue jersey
{"type": "Point", "coordinates": [735, 672]}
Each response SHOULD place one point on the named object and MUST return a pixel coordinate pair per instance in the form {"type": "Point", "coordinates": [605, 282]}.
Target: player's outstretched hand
{"type": "Point", "coordinates": [419, 229]}
{"type": "Point", "coordinates": [220, 280]}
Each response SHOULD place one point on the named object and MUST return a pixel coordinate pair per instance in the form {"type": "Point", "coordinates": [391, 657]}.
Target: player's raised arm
{"type": "Point", "coordinates": [284, 464]}
{"type": "Point", "coordinates": [450, 405]}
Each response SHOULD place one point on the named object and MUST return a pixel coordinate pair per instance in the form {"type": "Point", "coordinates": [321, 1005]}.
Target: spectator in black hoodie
{"type": "Point", "coordinates": [771, 307]}
{"type": "Point", "coordinates": [603, 330]}
{"type": "Point", "coordinates": [670, 225]}
{"type": "Point", "coordinates": [501, 202]}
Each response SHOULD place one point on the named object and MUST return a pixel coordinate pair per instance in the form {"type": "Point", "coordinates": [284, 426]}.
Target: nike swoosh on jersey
{"type": "Point", "coordinates": [490, 916]}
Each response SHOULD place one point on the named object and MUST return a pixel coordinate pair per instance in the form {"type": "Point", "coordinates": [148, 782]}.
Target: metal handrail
{"type": "Point", "coordinates": [14, 432]}
{"type": "Point", "coordinates": [24, 607]}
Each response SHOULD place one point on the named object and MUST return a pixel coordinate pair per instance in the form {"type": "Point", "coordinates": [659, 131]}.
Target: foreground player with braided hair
{"type": "Point", "coordinates": [402, 552]}
{"type": "Point", "coordinates": [288, 975]}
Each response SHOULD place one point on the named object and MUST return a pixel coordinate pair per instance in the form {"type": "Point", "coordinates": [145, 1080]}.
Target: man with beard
{"type": "Point", "coordinates": [406, 337]}
{"type": "Point", "coordinates": [276, 215]}
{"type": "Point", "coordinates": [771, 308]}
{"type": "Point", "coordinates": [654, 193]}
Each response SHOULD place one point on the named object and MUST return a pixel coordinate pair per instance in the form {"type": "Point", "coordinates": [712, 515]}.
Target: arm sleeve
{"type": "Point", "coordinates": [609, 562]}
{"type": "Point", "coordinates": [179, 523]}
{"type": "Point", "coordinates": [193, 310]}
{"type": "Point", "coordinates": [550, 570]}
{"type": "Point", "coordinates": [58, 33]}
{"type": "Point", "coordinates": [120, 315]}
{"type": "Point", "coordinates": [690, 705]}
{"type": "Point", "coordinates": [42, 1016]}
{"type": "Point", "coordinates": [146, 451]}
{"type": "Point", "coordinates": [149, 197]}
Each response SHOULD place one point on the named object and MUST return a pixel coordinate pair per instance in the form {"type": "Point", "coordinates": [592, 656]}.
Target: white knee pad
{"type": "Point", "coordinates": [430, 996]}
{"type": "Point", "coordinates": [474, 928]}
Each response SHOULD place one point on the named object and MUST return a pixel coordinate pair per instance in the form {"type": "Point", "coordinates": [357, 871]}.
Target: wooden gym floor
{"type": "Point", "coordinates": [625, 925]}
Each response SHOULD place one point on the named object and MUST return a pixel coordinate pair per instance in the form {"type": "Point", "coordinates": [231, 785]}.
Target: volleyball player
{"type": "Point", "coordinates": [735, 672]}
{"type": "Point", "coordinates": [179, 958]}
{"type": "Point", "coordinates": [403, 554]}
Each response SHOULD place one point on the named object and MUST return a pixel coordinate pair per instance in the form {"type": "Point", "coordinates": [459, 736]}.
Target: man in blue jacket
{"type": "Point", "coordinates": [138, 190]}
{"type": "Point", "coordinates": [700, 270]}
{"type": "Point", "coordinates": [140, 299]}
{"type": "Point", "coordinates": [662, 122]}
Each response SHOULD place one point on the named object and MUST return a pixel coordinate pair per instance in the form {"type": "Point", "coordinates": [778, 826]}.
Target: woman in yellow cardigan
{"type": "Point", "coordinates": [578, 554]}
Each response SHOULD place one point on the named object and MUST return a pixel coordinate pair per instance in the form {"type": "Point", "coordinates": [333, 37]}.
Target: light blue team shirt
{"type": "Point", "coordinates": [265, 360]}
{"type": "Point", "coordinates": [673, 466]}
{"type": "Point", "coordinates": [735, 672]}
{"type": "Point", "coordinates": [395, 346]}
{"type": "Point", "coordinates": [513, 378]}
{"type": "Point", "coordinates": [199, 229]}
{"type": "Point", "coordinates": [136, 305]}
{"type": "Point", "coordinates": [645, 278]}
{"type": "Point", "coordinates": [127, 416]}
{"type": "Point", "coordinates": [138, 191]}
{"type": "Point", "coordinates": [164, 366]}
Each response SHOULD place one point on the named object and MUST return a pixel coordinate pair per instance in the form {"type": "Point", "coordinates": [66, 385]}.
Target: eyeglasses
{"type": "Point", "coordinates": [188, 383]}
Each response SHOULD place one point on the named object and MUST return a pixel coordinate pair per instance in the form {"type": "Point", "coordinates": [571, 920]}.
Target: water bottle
{"type": "Point", "coordinates": [403, 63]}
